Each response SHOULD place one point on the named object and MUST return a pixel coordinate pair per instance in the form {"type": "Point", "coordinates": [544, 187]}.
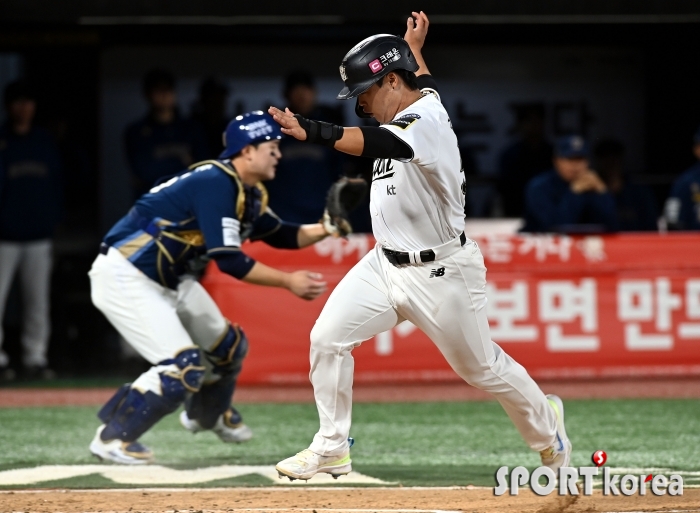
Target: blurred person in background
{"type": "Point", "coordinates": [30, 209]}
{"type": "Point", "coordinates": [298, 192]}
{"type": "Point", "coordinates": [571, 197]}
{"type": "Point", "coordinates": [682, 209]}
{"type": "Point", "coordinates": [527, 157]}
{"type": "Point", "coordinates": [635, 203]}
{"type": "Point", "coordinates": [210, 112]}
{"type": "Point", "coordinates": [162, 142]}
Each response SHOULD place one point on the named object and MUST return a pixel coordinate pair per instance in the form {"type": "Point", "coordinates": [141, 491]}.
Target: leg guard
{"type": "Point", "coordinates": [214, 399]}
{"type": "Point", "coordinates": [130, 412]}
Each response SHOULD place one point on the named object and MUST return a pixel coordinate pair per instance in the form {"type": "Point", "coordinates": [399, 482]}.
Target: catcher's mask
{"type": "Point", "coordinates": [370, 60]}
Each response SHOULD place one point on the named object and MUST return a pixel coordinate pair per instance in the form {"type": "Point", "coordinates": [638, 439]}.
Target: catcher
{"type": "Point", "coordinates": [145, 283]}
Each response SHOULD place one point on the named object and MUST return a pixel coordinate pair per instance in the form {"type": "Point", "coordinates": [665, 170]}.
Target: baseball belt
{"type": "Point", "coordinates": [416, 257]}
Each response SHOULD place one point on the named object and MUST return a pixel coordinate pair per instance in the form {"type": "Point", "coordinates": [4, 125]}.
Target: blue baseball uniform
{"type": "Point", "coordinates": [145, 283]}
{"type": "Point", "coordinates": [31, 188]}
{"type": "Point", "coordinates": [31, 193]}
{"type": "Point", "coordinates": [551, 205]}
{"type": "Point", "coordinates": [683, 204]}
{"type": "Point", "coordinates": [205, 211]}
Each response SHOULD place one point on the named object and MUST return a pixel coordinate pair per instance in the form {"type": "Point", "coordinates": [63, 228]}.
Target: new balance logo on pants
{"type": "Point", "coordinates": [436, 273]}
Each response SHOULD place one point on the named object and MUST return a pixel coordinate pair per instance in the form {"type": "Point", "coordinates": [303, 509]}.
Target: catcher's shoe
{"type": "Point", "coordinates": [126, 453]}
{"type": "Point", "coordinates": [226, 430]}
{"type": "Point", "coordinates": [559, 454]}
{"type": "Point", "coordinates": [307, 464]}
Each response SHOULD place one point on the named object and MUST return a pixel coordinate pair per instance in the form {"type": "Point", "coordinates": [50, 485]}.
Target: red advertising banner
{"type": "Point", "coordinates": [585, 306]}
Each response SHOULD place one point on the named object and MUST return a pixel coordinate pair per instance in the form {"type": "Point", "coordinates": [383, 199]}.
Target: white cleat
{"type": "Point", "coordinates": [125, 453]}
{"type": "Point", "coordinates": [306, 464]}
{"type": "Point", "coordinates": [559, 454]}
{"type": "Point", "coordinates": [224, 428]}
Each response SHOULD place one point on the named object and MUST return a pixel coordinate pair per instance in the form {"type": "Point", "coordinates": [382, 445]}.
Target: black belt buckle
{"type": "Point", "coordinates": [402, 258]}
{"type": "Point", "coordinates": [427, 255]}
{"type": "Point", "coordinates": [391, 256]}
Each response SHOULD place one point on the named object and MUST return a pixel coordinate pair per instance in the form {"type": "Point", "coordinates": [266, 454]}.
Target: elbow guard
{"type": "Point", "coordinates": [382, 144]}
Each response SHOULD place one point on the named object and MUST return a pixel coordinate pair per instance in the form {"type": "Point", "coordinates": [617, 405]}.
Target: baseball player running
{"type": "Point", "coordinates": [144, 281]}
{"type": "Point", "coordinates": [423, 268]}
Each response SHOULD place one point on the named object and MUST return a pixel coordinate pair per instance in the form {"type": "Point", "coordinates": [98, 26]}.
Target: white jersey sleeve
{"type": "Point", "coordinates": [418, 130]}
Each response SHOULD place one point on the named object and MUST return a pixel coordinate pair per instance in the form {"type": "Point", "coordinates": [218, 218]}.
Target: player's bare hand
{"type": "Point", "coordinates": [416, 30]}
{"type": "Point", "coordinates": [589, 181]}
{"type": "Point", "coordinates": [307, 285]}
{"type": "Point", "coordinates": [289, 124]}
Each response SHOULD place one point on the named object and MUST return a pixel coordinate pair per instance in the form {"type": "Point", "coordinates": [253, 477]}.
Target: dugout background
{"type": "Point", "coordinates": [88, 57]}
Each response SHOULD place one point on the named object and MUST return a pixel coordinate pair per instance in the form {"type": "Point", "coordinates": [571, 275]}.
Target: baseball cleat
{"type": "Point", "coordinates": [117, 451]}
{"type": "Point", "coordinates": [226, 430]}
{"type": "Point", "coordinates": [306, 464]}
{"type": "Point", "coordinates": [559, 454]}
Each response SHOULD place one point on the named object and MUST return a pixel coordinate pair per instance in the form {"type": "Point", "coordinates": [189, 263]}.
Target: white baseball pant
{"type": "Point", "coordinates": [158, 322]}
{"type": "Point", "coordinates": [450, 309]}
{"type": "Point", "coordinates": [33, 261]}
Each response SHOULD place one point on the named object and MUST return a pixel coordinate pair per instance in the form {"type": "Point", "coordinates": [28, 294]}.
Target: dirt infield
{"type": "Point", "coordinates": [606, 389]}
{"type": "Point", "coordinates": [385, 500]}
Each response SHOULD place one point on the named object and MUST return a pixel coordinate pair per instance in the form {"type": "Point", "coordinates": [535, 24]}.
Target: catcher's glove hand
{"type": "Point", "coordinates": [343, 196]}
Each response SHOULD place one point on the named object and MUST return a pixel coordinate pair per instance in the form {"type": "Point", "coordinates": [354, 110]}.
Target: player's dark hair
{"type": "Point", "coordinates": [254, 145]}
{"type": "Point", "coordinates": [18, 90]}
{"type": "Point", "coordinates": [157, 78]}
{"type": "Point", "coordinates": [408, 78]}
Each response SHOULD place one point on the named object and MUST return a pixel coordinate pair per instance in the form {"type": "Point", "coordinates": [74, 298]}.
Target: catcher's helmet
{"type": "Point", "coordinates": [370, 60]}
{"type": "Point", "coordinates": [249, 128]}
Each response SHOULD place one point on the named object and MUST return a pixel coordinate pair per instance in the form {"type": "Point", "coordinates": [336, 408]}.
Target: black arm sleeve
{"type": "Point", "coordinates": [285, 237]}
{"type": "Point", "coordinates": [427, 82]}
{"type": "Point", "coordinates": [237, 264]}
{"type": "Point", "coordinates": [382, 144]}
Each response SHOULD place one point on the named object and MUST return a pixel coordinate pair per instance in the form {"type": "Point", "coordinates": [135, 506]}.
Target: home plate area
{"type": "Point", "coordinates": [156, 475]}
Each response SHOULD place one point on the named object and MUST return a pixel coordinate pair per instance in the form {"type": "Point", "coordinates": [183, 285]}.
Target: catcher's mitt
{"type": "Point", "coordinates": [343, 196]}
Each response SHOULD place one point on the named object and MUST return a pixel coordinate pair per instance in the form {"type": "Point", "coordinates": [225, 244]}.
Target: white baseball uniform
{"type": "Point", "coordinates": [418, 205]}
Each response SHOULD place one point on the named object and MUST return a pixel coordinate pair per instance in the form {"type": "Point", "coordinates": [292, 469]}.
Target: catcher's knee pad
{"type": "Point", "coordinates": [187, 377]}
{"type": "Point", "coordinates": [214, 398]}
{"type": "Point", "coordinates": [131, 412]}
{"type": "Point", "coordinates": [228, 354]}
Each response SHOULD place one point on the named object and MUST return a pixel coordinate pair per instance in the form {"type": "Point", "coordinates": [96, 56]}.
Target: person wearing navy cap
{"type": "Point", "coordinates": [570, 198]}
{"type": "Point", "coordinates": [682, 209]}
{"type": "Point", "coordinates": [145, 283]}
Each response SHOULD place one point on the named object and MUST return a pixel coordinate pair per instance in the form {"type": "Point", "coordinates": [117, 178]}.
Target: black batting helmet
{"type": "Point", "coordinates": [370, 60]}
